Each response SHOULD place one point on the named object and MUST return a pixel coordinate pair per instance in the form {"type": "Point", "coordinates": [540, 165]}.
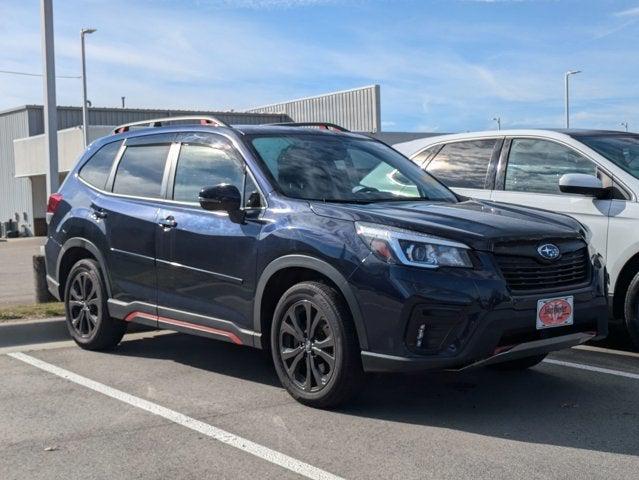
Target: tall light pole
{"type": "Point", "coordinates": [568, 73]}
{"type": "Point", "coordinates": [85, 108]}
{"type": "Point", "coordinates": [498, 120]}
{"type": "Point", "coordinates": [50, 107]}
{"type": "Point", "coordinates": [624, 125]}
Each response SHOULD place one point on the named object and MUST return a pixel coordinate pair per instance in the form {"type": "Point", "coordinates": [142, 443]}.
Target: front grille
{"type": "Point", "coordinates": [526, 274]}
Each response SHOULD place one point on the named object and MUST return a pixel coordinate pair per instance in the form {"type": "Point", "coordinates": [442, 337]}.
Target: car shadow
{"type": "Point", "coordinates": [546, 405]}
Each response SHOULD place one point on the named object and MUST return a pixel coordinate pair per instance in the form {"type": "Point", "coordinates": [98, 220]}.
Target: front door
{"type": "Point", "coordinates": [206, 261]}
{"type": "Point", "coordinates": [531, 178]}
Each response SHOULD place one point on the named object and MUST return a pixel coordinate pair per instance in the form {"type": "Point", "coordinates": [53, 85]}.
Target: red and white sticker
{"type": "Point", "coordinates": [554, 312]}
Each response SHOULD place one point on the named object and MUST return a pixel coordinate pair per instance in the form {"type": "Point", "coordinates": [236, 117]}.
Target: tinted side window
{"type": "Point", "coordinates": [252, 196]}
{"type": "Point", "coordinates": [204, 166]}
{"type": "Point", "coordinates": [140, 171]}
{"type": "Point", "coordinates": [96, 170]}
{"type": "Point", "coordinates": [537, 165]}
{"type": "Point", "coordinates": [424, 155]}
{"type": "Point", "coordinates": [463, 164]}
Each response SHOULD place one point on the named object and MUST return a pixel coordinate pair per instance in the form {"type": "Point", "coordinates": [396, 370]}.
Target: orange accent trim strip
{"type": "Point", "coordinates": [179, 323]}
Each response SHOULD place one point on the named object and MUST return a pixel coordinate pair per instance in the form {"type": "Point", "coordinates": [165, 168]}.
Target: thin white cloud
{"type": "Point", "coordinates": [630, 12]}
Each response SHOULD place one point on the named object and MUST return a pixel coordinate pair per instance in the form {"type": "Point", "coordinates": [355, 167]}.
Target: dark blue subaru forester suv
{"type": "Point", "coordinates": [328, 249]}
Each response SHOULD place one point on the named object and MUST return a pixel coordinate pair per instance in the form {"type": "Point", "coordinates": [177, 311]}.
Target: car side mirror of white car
{"type": "Point", "coordinates": [583, 184]}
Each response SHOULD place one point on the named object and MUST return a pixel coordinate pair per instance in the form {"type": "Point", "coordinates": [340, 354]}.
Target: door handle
{"type": "Point", "coordinates": [168, 222]}
{"type": "Point", "coordinates": [98, 212]}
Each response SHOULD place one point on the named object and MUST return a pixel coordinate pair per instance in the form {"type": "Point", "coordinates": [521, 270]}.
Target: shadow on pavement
{"type": "Point", "coordinates": [546, 405]}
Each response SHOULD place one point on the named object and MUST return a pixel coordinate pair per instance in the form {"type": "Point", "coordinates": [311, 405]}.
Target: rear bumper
{"type": "Point", "coordinates": [376, 362]}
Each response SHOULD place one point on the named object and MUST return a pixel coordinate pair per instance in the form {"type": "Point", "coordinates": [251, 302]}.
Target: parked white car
{"type": "Point", "coordinates": [590, 175]}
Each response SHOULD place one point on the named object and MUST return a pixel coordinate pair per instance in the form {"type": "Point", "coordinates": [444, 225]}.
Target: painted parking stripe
{"type": "Point", "coordinates": [218, 434]}
{"type": "Point", "coordinates": [609, 351]}
{"type": "Point", "coordinates": [592, 368]}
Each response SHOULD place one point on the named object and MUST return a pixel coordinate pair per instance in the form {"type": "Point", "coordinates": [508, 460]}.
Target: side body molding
{"type": "Point", "coordinates": [311, 263]}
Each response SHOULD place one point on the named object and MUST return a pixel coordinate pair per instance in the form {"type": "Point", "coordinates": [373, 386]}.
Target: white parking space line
{"type": "Point", "coordinates": [580, 366]}
{"type": "Point", "coordinates": [610, 351]}
{"type": "Point", "coordinates": [218, 434]}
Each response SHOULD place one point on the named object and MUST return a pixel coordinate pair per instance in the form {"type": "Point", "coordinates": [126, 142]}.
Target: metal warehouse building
{"type": "Point", "coordinates": [22, 144]}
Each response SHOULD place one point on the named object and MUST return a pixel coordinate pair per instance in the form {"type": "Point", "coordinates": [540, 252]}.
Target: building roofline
{"type": "Point", "coordinates": [313, 97]}
{"type": "Point", "coordinates": [136, 110]}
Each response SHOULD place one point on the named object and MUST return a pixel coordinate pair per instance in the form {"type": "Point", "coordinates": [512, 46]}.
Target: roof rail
{"type": "Point", "coordinates": [158, 122]}
{"type": "Point", "coordinates": [320, 125]}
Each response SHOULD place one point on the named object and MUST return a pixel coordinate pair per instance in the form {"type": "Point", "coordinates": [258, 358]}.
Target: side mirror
{"type": "Point", "coordinates": [583, 184]}
{"type": "Point", "coordinates": [221, 198]}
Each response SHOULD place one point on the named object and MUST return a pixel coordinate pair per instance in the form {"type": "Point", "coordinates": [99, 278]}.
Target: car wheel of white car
{"type": "Point", "coordinates": [631, 310]}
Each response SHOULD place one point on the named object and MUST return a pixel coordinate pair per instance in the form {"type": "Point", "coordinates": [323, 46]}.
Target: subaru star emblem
{"type": "Point", "coordinates": [549, 251]}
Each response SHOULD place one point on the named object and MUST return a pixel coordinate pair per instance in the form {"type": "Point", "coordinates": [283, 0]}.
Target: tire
{"type": "Point", "coordinates": [520, 363]}
{"type": "Point", "coordinates": [318, 361]}
{"type": "Point", "coordinates": [85, 304]}
{"type": "Point", "coordinates": [631, 311]}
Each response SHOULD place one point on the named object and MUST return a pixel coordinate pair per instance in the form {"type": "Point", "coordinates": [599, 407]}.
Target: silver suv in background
{"type": "Point", "coordinates": [588, 174]}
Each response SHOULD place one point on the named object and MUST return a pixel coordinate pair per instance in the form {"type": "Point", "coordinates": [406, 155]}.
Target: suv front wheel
{"type": "Point", "coordinates": [314, 346]}
{"type": "Point", "coordinates": [88, 319]}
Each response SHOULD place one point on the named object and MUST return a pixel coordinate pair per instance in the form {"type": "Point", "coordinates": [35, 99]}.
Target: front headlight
{"type": "Point", "coordinates": [396, 245]}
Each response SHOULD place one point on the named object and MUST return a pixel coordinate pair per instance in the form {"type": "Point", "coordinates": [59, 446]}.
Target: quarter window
{"type": "Point", "coordinates": [202, 166]}
{"type": "Point", "coordinates": [537, 165]}
{"type": "Point", "coordinates": [463, 164]}
{"type": "Point", "coordinates": [96, 170]}
{"type": "Point", "coordinates": [141, 170]}
{"type": "Point", "coordinates": [424, 155]}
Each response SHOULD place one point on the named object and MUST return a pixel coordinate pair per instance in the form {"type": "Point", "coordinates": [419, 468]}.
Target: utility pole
{"type": "Point", "coordinates": [567, 81]}
{"type": "Point", "coordinates": [498, 120]}
{"type": "Point", "coordinates": [50, 107]}
{"type": "Point", "coordinates": [85, 107]}
{"type": "Point", "coordinates": [624, 125]}
{"type": "Point", "coordinates": [122, 101]}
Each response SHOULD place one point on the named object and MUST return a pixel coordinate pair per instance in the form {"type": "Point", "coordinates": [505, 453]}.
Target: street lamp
{"type": "Point", "coordinates": [624, 125]}
{"type": "Point", "coordinates": [498, 120]}
{"type": "Point", "coordinates": [85, 108]}
{"type": "Point", "coordinates": [568, 73]}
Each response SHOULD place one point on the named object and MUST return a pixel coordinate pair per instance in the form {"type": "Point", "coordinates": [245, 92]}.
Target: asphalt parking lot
{"type": "Point", "coordinates": [173, 406]}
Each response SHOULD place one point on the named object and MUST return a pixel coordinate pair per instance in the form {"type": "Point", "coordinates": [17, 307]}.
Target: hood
{"type": "Point", "coordinates": [478, 224]}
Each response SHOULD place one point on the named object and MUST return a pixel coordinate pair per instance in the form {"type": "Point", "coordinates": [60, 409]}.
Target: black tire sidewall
{"type": "Point", "coordinates": [92, 268]}
{"type": "Point", "coordinates": [311, 292]}
{"type": "Point", "coordinates": [631, 310]}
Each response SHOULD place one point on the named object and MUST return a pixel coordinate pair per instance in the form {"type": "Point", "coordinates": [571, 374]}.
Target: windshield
{"type": "Point", "coordinates": [344, 169]}
{"type": "Point", "coordinates": [622, 150]}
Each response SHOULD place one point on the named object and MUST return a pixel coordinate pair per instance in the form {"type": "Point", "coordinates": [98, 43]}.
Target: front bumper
{"type": "Point", "coordinates": [376, 362]}
{"type": "Point", "coordinates": [490, 323]}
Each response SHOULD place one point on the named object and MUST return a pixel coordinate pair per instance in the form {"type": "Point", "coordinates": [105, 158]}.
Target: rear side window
{"type": "Point", "coordinates": [463, 164]}
{"type": "Point", "coordinates": [424, 155]}
{"type": "Point", "coordinates": [202, 166]}
{"type": "Point", "coordinates": [96, 171]}
{"type": "Point", "coordinates": [140, 171]}
{"type": "Point", "coordinates": [536, 165]}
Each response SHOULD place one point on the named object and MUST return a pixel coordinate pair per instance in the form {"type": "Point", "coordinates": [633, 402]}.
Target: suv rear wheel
{"type": "Point", "coordinates": [85, 304]}
{"type": "Point", "coordinates": [631, 310]}
{"type": "Point", "coordinates": [314, 346]}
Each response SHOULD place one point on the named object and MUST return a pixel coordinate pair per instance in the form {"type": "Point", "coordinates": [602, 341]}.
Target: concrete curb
{"type": "Point", "coordinates": [27, 332]}
{"type": "Point", "coordinates": [49, 330]}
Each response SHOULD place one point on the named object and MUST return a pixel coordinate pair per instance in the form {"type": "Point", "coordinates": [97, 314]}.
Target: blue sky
{"type": "Point", "coordinates": [443, 65]}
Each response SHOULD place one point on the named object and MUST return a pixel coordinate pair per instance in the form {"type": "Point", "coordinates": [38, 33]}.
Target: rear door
{"type": "Point", "coordinates": [206, 261]}
{"type": "Point", "coordinates": [467, 166]}
{"type": "Point", "coordinates": [529, 175]}
{"type": "Point", "coordinates": [137, 181]}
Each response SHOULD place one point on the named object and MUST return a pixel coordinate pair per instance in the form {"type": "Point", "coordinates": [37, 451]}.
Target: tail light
{"type": "Point", "coordinates": [54, 202]}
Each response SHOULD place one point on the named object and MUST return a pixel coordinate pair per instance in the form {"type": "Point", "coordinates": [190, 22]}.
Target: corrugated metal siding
{"type": "Point", "coordinates": [72, 116]}
{"type": "Point", "coordinates": [15, 193]}
{"type": "Point", "coordinates": [357, 109]}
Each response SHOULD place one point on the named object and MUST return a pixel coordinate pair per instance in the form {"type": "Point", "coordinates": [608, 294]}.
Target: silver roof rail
{"type": "Point", "coordinates": [159, 122]}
